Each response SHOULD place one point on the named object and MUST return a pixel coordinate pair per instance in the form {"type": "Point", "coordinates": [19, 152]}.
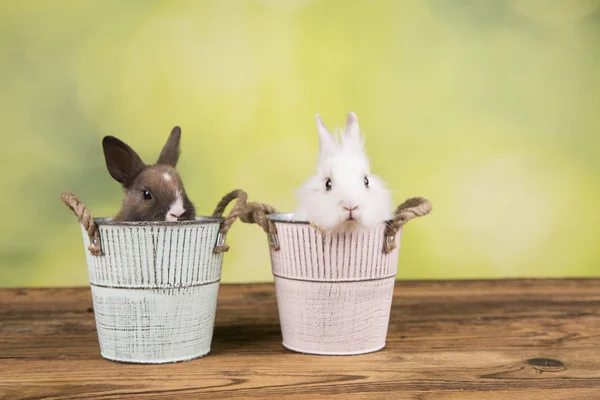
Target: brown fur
{"type": "Point", "coordinates": [126, 167]}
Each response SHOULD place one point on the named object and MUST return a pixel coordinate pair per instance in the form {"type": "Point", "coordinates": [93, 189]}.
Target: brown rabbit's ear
{"type": "Point", "coordinates": [170, 153]}
{"type": "Point", "coordinates": [122, 162]}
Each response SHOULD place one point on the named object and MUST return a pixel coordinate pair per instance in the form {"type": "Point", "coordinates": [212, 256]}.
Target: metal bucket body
{"type": "Point", "coordinates": [334, 290]}
{"type": "Point", "coordinates": [155, 289]}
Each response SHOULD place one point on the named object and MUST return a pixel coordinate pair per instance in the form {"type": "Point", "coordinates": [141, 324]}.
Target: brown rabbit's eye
{"type": "Point", "coordinates": [147, 195]}
{"type": "Point", "coordinates": [328, 184]}
{"type": "Point", "coordinates": [366, 181]}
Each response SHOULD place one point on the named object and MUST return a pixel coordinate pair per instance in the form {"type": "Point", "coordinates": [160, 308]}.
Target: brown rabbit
{"type": "Point", "coordinates": [152, 192]}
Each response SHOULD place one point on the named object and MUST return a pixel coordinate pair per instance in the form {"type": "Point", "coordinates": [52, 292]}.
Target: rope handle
{"type": "Point", "coordinates": [235, 212]}
{"type": "Point", "coordinates": [256, 213]}
{"type": "Point", "coordinates": [85, 219]}
{"type": "Point", "coordinates": [411, 208]}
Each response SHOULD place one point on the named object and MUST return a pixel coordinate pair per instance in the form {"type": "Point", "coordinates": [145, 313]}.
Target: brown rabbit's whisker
{"type": "Point", "coordinates": [158, 216]}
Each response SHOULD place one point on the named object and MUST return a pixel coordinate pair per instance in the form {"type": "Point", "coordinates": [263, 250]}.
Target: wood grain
{"type": "Point", "coordinates": [505, 339]}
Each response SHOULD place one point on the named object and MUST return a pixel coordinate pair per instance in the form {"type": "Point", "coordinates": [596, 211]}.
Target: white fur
{"type": "Point", "coordinates": [343, 160]}
{"type": "Point", "coordinates": [166, 176]}
{"type": "Point", "coordinates": [176, 209]}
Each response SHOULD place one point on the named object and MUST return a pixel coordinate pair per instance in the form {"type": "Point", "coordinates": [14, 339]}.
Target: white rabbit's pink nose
{"type": "Point", "coordinates": [350, 208]}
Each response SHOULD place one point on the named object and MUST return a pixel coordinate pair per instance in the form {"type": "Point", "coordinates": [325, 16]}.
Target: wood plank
{"type": "Point", "coordinates": [506, 339]}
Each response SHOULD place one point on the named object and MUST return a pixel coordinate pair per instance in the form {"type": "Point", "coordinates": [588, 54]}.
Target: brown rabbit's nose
{"type": "Point", "coordinates": [350, 208]}
{"type": "Point", "coordinates": [175, 214]}
{"type": "Point", "coordinates": [176, 210]}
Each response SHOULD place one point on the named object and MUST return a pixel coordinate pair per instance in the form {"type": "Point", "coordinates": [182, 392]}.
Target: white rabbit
{"type": "Point", "coordinates": [343, 193]}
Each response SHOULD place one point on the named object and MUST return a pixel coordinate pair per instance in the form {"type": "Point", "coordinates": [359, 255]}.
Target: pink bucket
{"type": "Point", "coordinates": [334, 290]}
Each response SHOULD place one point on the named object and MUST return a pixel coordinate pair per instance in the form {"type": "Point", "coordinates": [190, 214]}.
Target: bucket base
{"type": "Point", "coordinates": [155, 326]}
{"type": "Point", "coordinates": [165, 361]}
{"type": "Point", "coordinates": [333, 353]}
{"type": "Point", "coordinates": [334, 318]}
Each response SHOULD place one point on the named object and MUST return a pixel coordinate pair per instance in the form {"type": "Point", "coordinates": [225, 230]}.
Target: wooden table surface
{"type": "Point", "coordinates": [505, 339]}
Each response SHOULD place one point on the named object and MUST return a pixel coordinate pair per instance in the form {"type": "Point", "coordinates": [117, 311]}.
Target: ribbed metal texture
{"type": "Point", "coordinates": [334, 290]}
{"type": "Point", "coordinates": [155, 291]}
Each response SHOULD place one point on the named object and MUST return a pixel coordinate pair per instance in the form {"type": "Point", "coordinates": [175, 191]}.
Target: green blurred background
{"type": "Point", "coordinates": [488, 108]}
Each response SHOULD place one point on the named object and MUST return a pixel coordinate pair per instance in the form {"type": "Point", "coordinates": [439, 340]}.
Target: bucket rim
{"type": "Point", "coordinates": [287, 218]}
{"type": "Point", "coordinates": [200, 220]}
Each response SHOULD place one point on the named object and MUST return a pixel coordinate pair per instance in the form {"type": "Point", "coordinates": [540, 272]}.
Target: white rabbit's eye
{"type": "Point", "coordinates": [328, 184]}
{"type": "Point", "coordinates": [366, 181]}
{"type": "Point", "coordinates": [147, 195]}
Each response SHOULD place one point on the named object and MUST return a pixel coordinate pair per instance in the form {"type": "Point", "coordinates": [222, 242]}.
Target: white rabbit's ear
{"type": "Point", "coordinates": [352, 128]}
{"type": "Point", "coordinates": [326, 139]}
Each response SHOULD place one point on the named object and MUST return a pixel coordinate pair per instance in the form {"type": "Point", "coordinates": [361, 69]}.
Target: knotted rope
{"type": "Point", "coordinates": [256, 213]}
{"type": "Point", "coordinates": [235, 212]}
{"type": "Point", "coordinates": [411, 208]}
{"type": "Point", "coordinates": [85, 219]}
